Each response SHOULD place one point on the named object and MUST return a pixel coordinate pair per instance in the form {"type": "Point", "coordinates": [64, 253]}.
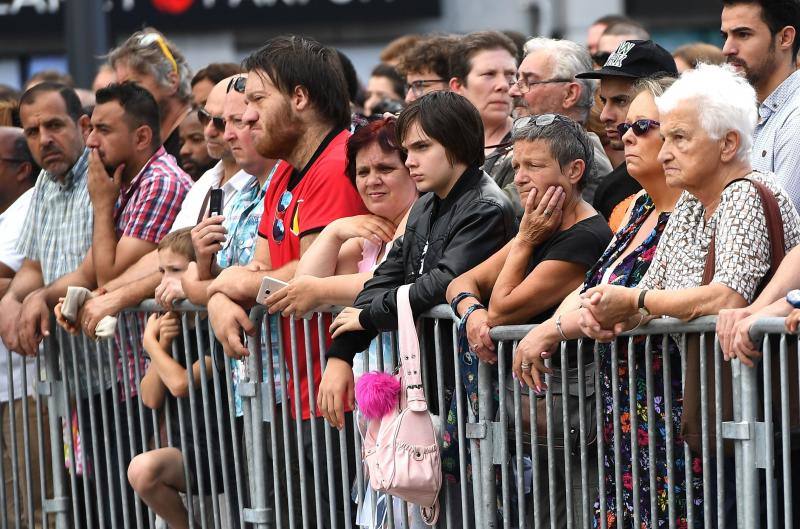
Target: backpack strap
{"type": "Point", "coordinates": [411, 370]}
{"type": "Point", "coordinates": [777, 237]}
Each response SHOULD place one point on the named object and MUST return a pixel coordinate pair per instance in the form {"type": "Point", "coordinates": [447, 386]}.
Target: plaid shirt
{"type": "Point", "coordinates": [58, 226]}
{"type": "Point", "coordinates": [57, 235]}
{"type": "Point", "coordinates": [146, 209]}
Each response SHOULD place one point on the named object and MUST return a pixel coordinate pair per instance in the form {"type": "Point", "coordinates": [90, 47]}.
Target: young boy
{"type": "Point", "coordinates": [158, 476]}
{"type": "Point", "coordinates": [461, 218]}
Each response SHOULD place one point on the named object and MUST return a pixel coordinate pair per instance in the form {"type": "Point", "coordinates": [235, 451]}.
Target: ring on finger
{"type": "Point", "coordinates": [525, 367]}
{"type": "Point", "coordinates": [547, 213]}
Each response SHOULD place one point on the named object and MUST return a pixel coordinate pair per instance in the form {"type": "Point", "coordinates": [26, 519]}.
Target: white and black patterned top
{"type": "Point", "coordinates": [742, 242]}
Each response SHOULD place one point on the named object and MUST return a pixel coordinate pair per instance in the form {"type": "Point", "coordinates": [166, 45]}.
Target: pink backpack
{"type": "Point", "coordinates": [401, 450]}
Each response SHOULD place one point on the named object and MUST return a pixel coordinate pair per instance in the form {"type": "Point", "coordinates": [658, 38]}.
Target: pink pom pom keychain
{"type": "Point", "coordinates": [377, 394]}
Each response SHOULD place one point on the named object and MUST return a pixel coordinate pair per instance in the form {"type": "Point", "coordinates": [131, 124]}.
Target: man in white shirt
{"type": "Point", "coordinates": [17, 373]}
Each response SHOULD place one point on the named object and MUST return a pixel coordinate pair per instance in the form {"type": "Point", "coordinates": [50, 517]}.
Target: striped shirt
{"type": "Point", "coordinates": [775, 145]}
{"type": "Point", "coordinates": [58, 226]}
{"type": "Point", "coordinates": [146, 209]}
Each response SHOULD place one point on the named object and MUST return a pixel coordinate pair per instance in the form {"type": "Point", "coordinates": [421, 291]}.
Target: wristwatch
{"type": "Point", "coordinates": [642, 309]}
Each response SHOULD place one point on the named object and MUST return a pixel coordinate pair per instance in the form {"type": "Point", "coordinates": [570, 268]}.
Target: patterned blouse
{"type": "Point", "coordinates": [634, 265]}
{"type": "Point", "coordinates": [742, 246]}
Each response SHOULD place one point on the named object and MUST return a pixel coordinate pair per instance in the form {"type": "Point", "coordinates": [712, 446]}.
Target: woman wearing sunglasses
{"type": "Point", "coordinates": [624, 262]}
{"type": "Point", "coordinates": [336, 266]}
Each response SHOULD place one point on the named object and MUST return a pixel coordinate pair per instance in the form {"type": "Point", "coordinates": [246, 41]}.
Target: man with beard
{"type": "Point", "coordinates": [149, 59]}
{"type": "Point", "coordinates": [139, 281]}
{"type": "Point", "coordinates": [761, 41]}
{"type": "Point", "coordinates": [194, 158]}
{"type": "Point", "coordinates": [297, 111]}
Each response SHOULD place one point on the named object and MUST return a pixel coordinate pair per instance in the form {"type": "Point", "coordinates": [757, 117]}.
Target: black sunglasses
{"type": "Point", "coordinates": [237, 83]}
{"type": "Point", "coordinates": [640, 126]}
{"type": "Point", "coordinates": [279, 226]}
{"type": "Point", "coordinates": [204, 117]}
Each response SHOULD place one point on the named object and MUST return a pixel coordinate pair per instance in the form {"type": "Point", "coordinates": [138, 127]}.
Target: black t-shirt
{"type": "Point", "coordinates": [615, 187]}
{"type": "Point", "coordinates": [583, 244]}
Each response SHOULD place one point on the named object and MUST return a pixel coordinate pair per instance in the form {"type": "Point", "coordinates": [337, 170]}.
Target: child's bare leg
{"type": "Point", "coordinates": [157, 477]}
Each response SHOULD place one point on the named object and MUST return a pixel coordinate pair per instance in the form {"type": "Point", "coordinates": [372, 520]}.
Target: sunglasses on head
{"type": "Point", "coordinates": [639, 127]}
{"type": "Point", "coordinates": [148, 39]}
{"type": "Point", "coordinates": [237, 83]}
{"type": "Point", "coordinates": [545, 120]}
{"type": "Point", "coordinates": [278, 226]}
{"type": "Point", "coordinates": [205, 118]}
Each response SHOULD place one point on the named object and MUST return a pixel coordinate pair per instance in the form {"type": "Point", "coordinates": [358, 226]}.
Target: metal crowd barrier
{"type": "Point", "coordinates": [520, 459]}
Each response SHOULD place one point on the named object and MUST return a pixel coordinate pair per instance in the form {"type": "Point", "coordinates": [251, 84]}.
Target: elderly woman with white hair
{"type": "Point", "coordinates": [707, 118]}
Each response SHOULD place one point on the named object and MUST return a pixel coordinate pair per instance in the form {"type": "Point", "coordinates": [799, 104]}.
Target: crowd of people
{"type": "Point", "coordinates": [586, 188]}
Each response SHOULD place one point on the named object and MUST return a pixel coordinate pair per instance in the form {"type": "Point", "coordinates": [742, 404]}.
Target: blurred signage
{"type": "Point", "coordinates": [35, 16]}
{"type": "Point", "coordinates": [687, 11]}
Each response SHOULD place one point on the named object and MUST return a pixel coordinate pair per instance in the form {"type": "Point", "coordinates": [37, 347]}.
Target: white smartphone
{"type": "Point", "coordinates": [269, 285]}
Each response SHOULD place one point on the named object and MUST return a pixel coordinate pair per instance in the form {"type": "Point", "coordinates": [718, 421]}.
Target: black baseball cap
{"type": "Point", "coordinates": [635, 59]}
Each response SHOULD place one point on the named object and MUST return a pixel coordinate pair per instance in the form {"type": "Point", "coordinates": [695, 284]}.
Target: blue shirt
{"type": "Point", "coordinates": [775, 145]}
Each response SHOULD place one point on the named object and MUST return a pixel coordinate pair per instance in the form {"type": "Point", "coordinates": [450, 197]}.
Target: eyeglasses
{"type": "Point", "coordinates": [639, 127]}
{"type": "Point", "coordinates": [525, 86]}
{"type": "Point", "coordinates": [237, 83]}
{"type": "Point", "coordinates": [154, 38]}
{"type": "Point", "coordinates": [204, 117]}
{"type": "Point", "coordinates": [418, 87]}
{"type": "Point", "coordinates": [601, 57]}
{"type": "Point", "coordinates": [279, 227]}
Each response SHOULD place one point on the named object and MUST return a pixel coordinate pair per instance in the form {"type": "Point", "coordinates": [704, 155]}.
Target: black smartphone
{"type": "Point", "coordinates": [215, 202]}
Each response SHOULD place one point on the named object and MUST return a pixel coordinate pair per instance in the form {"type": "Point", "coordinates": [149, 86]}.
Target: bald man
{"type": "Point", "coordinates": [139, 282]}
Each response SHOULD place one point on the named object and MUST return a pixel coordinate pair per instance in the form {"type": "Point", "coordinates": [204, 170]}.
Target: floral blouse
{"type": "Point", "coordinates": [634, 265]}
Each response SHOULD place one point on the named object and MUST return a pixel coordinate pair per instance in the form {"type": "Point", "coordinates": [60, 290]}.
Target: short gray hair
{"type": "Point", "coordinates": [724, 100]}
{"type": "Point", "coordinates": [566, 139]}
{"type": "Point", "coordinates": [151, 60]}
{"type": "Point", "coordinates": [568, 59]}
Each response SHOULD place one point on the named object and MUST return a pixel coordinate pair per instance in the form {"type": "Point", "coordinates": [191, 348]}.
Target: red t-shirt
{"type": "Point", "coordinates": [321, 193]}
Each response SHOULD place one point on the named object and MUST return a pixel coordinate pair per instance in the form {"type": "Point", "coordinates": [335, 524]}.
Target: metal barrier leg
{"type": "Point", "coordinates": [80, 404]}
{"type": "Point", "coordinates": [202, 357]}
{"type": "Point", "coordinates": [462, 439]}
{"type": "Point", "coordinates": [487, 472]}
{"type": "Point", "coordinates": [747, 509]}
{"type": "Point", "coordinates": [258, 512]}
{"type": "Point", "coordinates": [58, 505]}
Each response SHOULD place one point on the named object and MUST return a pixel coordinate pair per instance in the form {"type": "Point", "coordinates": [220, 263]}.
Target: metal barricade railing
{"type": "Point", "coordinates": [564, 458]}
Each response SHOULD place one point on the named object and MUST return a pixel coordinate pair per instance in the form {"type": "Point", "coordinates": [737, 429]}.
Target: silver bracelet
{"type": "Point", "coordinates": [560, 330]}
{"type": "Point", "coordinates": [641, 319]}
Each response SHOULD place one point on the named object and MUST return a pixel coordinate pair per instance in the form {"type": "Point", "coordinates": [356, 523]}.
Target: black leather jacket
{"type": "Point", "coordinates": [443, 239]}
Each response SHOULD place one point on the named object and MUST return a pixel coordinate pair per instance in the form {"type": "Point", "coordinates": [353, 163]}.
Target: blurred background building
{"type": "Point", "coordinates": [34, 34]}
